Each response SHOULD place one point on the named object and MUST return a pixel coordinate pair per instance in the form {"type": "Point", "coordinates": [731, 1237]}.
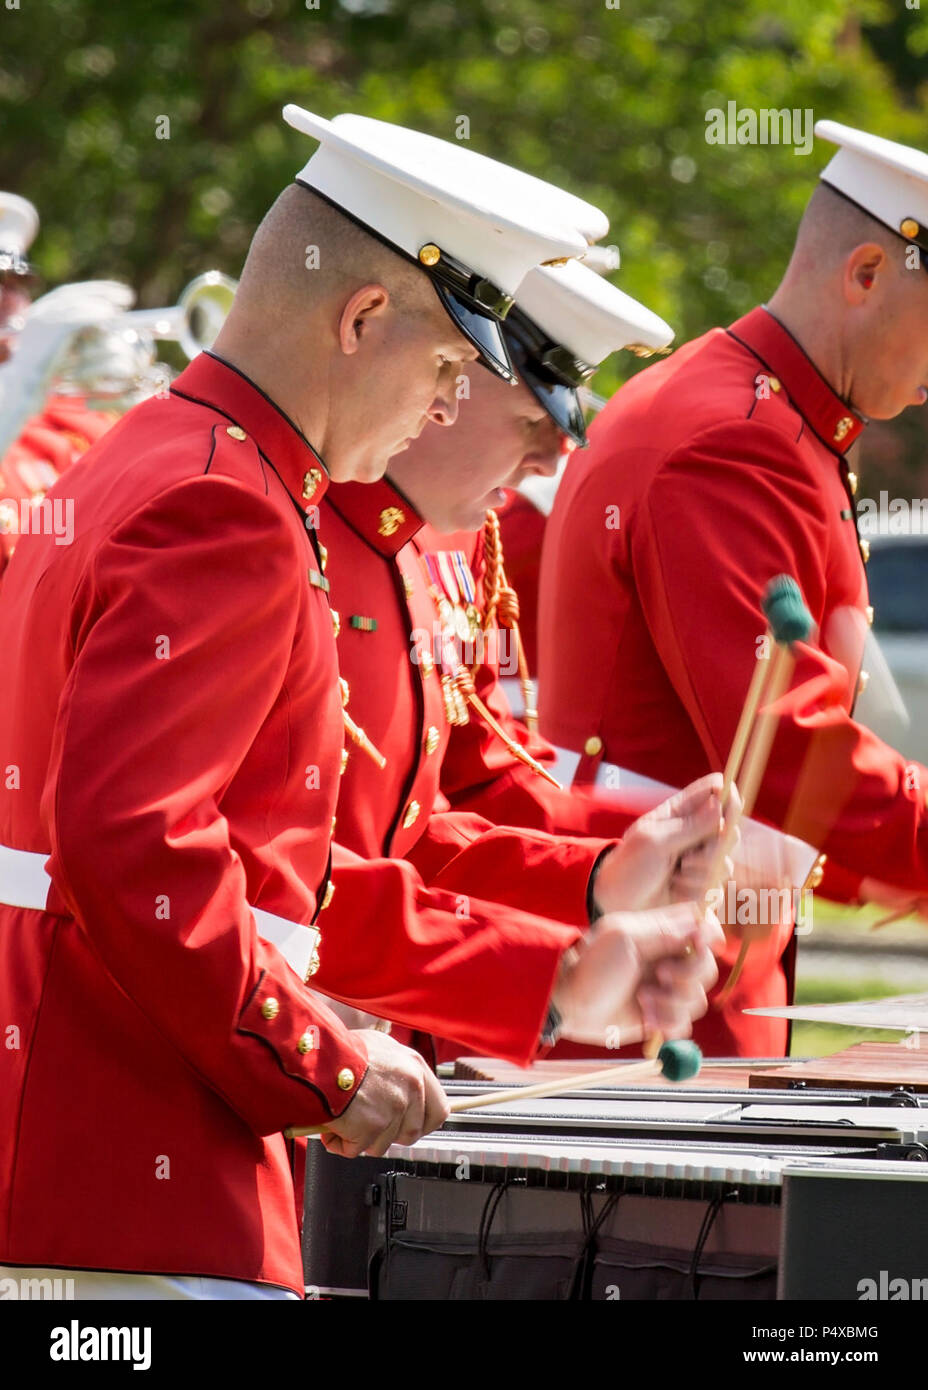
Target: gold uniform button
{"type": "Point", "coordinates": [863, 682]}
{"type": "Point", "coordinates": [843, 428]}
{"type": "Point", "coordinates": [344, 690]}
{"type": "Point", "coordinates": [323, 556]}
{"type": "Point", "coordinates": [328, 896]}
{"type": "Point", "coordinates": [593, 745]}
{"type": "Point", "coordinates": [270, 1009]}
{"type": "Point", "coordinates": [311, 481]}
{"type": "Point", "coordinates": [426, 665]}
{"type": "Point", "coordinates": [412, 814]}
{"type": "Point", "coordinates": [391, 519]}
{"type": "Point", "coordinates": [909, 227]}
{"type": "Point", "coordinates": [852, 483]}
{"type": "Point", "coordinates": [313, 964]}
{"type": "Point", "coordinates": [869, 612]}
{"type": "Point", "coordinates": [409, 586]}
{"type": "Point", "coordinates": [775, 384]}
{"type": "Point", "coordinates": [332, 828]}
{"type": "Point", "coordinates": [429, 254]}
{"type": "Point", "coordinates": [336, 621]}
{"type": "Point", "coordinates": [345, 1079]}
{"type": "Point", "coordinates": [305, 1043]}
{"type": "Point", "coordinates": [344, 762]}
{"type": "Point", "coordinates": [865, 550]}
{"type": "Point", "coordinates": [236, 432]}
{"type": "Point", "coordinates": [817, 872]}
{"type": "Point", "coordinates": [432, 739]}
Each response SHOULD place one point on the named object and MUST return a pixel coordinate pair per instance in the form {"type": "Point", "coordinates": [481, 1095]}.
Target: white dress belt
{"type": "Point", "coordinates": [24, 882]}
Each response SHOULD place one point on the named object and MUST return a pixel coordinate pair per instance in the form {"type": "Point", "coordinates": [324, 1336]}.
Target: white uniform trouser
{"type": "Point", "coordinates": [18, 1282]}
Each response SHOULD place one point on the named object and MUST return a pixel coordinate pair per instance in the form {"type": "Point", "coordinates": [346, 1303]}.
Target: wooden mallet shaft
{"type": "Point", "coordinates": [746, 722]}
{"type": "Point", "coordinates": [789, 621]}
{"type": "Point", "coordinates": [628, 1071]}
{"type": "Point", "coordinates": [678, 1061]}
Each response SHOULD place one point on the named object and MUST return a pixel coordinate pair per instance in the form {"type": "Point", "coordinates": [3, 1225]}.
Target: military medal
{"type": "Point", "coordinates": [469, 590]}
{"type": "Point", "coordinates": [449, 659]}
{"type": "Point", "coordinates": [444, 563]}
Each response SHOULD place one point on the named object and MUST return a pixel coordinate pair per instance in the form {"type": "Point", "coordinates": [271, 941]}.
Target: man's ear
{"type": "Point", "coordinates": [861, 269]}
{"type": "Point", "coordinates": [367, 303]}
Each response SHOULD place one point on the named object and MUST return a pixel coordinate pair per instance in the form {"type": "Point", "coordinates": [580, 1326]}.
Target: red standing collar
{"type": "Point", "coordinates": [831, 418]}
{"type": "Point", "coordinates": [379, 513]}
{"type": "Point", "coordinates": [212, 381]}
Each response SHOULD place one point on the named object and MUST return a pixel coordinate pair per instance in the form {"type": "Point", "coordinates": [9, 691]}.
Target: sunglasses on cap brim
{"type": "Point", "coordinates": [560, 400]}
{"type": "Point", "coordinates": [480, 328]}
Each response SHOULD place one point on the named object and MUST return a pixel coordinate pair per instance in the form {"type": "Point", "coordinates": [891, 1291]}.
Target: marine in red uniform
{"type": "Point", "coordinates": [708, 475]}
{"type": "Point", "coordinates": [414, 604]}
{"type": "Point", "coordinates": [171, 732]}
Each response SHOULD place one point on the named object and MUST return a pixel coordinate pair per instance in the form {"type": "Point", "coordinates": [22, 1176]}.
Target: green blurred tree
{"type": "Point", "coordinates": [608, 97]}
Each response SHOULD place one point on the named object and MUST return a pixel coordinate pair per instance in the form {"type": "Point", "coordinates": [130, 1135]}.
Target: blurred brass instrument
{"type": "Point", "coordinates": [195, 320]}
{"type": "Point", "coordinates": [85, 339]}
{"type": "Point", "coordinates": [115, 362]}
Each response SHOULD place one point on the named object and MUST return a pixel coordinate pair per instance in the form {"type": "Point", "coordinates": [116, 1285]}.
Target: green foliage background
{"type": "Point", "coordinates": [610, 101]}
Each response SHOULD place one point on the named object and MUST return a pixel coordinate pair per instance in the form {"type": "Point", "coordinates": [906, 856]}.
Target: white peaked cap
{"type": "Point", "coordinates": [19, 223]}
{"type": "Point", "coordinates": [415, 190]}
{"type": "Point", "coordinates": [887, 180]}
{"type": "Point", "coordinates": [586, 314]}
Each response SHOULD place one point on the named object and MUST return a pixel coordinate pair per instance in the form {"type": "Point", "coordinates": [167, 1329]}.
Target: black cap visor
{"type": "Point", "coordinates": [480, 328]}
{"type": "Point", "coordinates": [562, 402]}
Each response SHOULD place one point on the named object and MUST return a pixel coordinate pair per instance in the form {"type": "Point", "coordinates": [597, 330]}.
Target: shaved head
{"type": "Point", "coordinates": [855, 298]}
{"type": "Point", "coordinates": [346, 335]}
{"type": "Point", "coordinates": [831, 227]}
{"type": "Point", "coordinates": [306, 251]}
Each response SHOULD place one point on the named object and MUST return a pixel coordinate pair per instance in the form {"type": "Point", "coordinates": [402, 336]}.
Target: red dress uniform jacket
{"type": "Point", "coordinates": [170, 736]}
{"type": "Point", "coordinates": [707, 475]}
{"type": "Point", "coordinates": [388, 652]}
{"type": "Point", "coordinates": [445, 788]}
{"type": "Point", "coordinates": [49, 444]}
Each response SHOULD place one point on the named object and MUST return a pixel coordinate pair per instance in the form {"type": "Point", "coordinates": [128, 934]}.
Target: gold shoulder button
{"type": "Point", "coordinates": [311, 481]}
{"type": "Point", "coordinates": [593, 746]}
